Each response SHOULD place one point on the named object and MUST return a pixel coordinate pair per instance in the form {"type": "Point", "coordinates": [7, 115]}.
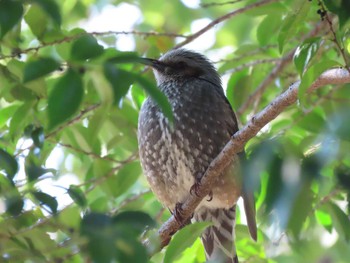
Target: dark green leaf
{"type": "Point", "coordinates": [8, 164]}
{"type": "Point", "coordinates": [340, 220]}
{"type": "Point", "coordinates": [65, 98]}
{"type": "Point", "coordinates": [85, 47]}
{"type": "Point", "coordinates": [51, 8]}
{"type": "Point", "coordinates": [77, 195]}
{"type": "Point", "coordinates": [38, 137]}
{"type": "Point", "coordinates": [98, 228]}
{"type": "Point", "coordinates": [120, 80]}
{"type": "Point", "coordinates": [135, 220]}
{"type": "Point", "coordinates": [10, 14]}
{"type": "Point", "coordinates": [14, 205]}
{"type": "Point", "coordinates": [46, 200]}
{"type": "Point", "coordinates": [39, 68]}
{"type": "Point", "coordinates": [33, 171]}
{"type": "Point", "coordinates": [184, 239]}
{"type": "Point", "coordinates": [305, 53]}
{"type": "Point", "coordinates": [343, 176]}
{"type": "Point", "coordinates": [158, 97]}
{"type": "Point", "coordinates": [340, 8]}
{"type": "Point", "coordinates": [131, 250]}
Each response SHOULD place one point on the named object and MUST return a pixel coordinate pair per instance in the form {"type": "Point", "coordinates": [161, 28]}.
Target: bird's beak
{"type": "Point", "coordinates": [154, 63]}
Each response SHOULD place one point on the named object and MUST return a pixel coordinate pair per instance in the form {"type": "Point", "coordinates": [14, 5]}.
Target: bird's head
{"type": "Point", "coordinates": [181, 64]}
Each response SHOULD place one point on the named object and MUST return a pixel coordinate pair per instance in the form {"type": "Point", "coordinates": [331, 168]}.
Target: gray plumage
{"type": "Point", "coordinates": [174, 159]}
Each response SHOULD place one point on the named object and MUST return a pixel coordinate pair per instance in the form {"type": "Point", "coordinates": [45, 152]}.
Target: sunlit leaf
{"type": "Point", "coordinates": [304, 54]}
{"type": "Point", "coordinates": [51, 8]}
{"type": "Point", "coordinates": [292, 22]}
{"type": "Point", "coordinates": [183, 239]}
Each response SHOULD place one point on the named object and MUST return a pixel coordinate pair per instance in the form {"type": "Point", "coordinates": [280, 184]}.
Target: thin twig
{"type": "Point", "coordinates": [324, 14]}
{"type": "Point", "coordinates": [221, 19]}
{"type": "Point", "coordinates": [18, 52]}
{"type": "Point", "coordinates": [252, 63]}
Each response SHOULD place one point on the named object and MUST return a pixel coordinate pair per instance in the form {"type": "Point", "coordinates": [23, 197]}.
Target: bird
{"type": "Point", "coordinates": [174, 156]}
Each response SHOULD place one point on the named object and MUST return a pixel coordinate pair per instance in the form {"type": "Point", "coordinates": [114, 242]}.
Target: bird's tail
{"type": "Point", "coordinates": [218, 240]}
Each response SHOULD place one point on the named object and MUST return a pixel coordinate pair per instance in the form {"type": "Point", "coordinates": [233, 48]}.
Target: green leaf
{"type": "Point", "coordinates": [340, 220]}
{"type": "Point", "coordinates": [85, 47]}
{"type": "Point", "coordinates": [291, 24]}
{"type": "Point", "coordinates": [158, 97]}
{"type": "Point", "coordinates": [34, 171]}
{"type": "Point", "coordinates": [38, 137]}
{"type": "Point", "coordinates": [39, 68]}
{"type": "Point", "coordinates": [311, 75]}
{"type": "Point", "coordinates": [120, 80]}
{"type": "Point", "coordinates": [10, 14]}
{"type": "Point", "coordinates": [46, 200]}
{"type": "Point", "coordinates": [65, 98]}
{"type": "Point", "coordinates": [125, 178]}
{"type": "Point", "coordinates": [37, 20]}
{"type": "Point", "coordinates": [8, 164]}
{"type": "Point", "coordinates": [98, 228]}
{"type": "Point", "coordinates": [305, 53]}
{"type": "Point", "coordinates": [238, 88]}
{"type": "Point", "coordinates": [267, 27]}
{"type": "Point", "coordinates": [183, 239]}
{"type": "Point", "coordinates": [341, 8]}
{"type": "Point", "coordinates": [135, 220]}
{"type": "Point", "coordinates": [125, 57]}
{"type": "Point", "coordinates": [51, 8]}
{"type": "Point", "coordinates": [6, 113]}
{"type": "Point", "coordinates": [14, 204]}
{"type": "Point", "coordinates": [77, 195]}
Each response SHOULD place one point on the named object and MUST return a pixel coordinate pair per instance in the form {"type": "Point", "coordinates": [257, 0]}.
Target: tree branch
{"type": "Point", "coordinates": [240, 138]}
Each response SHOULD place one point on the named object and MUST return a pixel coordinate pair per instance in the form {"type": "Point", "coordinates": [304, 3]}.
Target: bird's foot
{"type": "Point", "coordinates": [178, 214]}
{"type": "Point", "coordinates": [195, 190]}
{"type": "Point", "coordinates": [195, 187]}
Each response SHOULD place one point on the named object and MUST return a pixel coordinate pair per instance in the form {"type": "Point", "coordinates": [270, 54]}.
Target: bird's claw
{"type": "Point", "coordinates": [178, 213]}
{"type": "Point", "coordinates": [195, 190]}
{"type": "Point", "coordinates": [210, 196]}
{"type": "Point", "coordinates": [195, 187]}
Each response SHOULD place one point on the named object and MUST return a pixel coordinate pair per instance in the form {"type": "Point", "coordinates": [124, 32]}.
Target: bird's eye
{"type": "Point", "coordinates": [181, 64]}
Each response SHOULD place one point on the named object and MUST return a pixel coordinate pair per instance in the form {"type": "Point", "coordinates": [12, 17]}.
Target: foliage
{"type": "Point", "coordinates": [71, 188]}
